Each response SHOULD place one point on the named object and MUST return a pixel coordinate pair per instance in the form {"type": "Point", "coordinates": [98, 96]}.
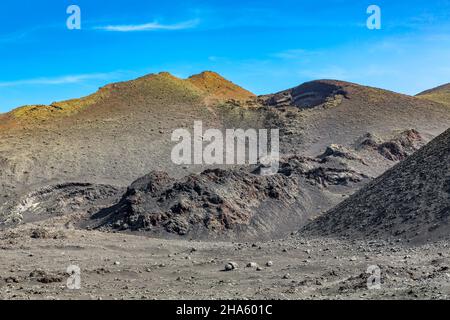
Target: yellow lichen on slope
{"type": "Point", "coordinates": [57, 109]}
{"type": "Point", "coordinates": [208, 87]}
{"type": "Point", "coordinates": [439, 94]}
{"type": "Point", "coordinates": [440, 97]}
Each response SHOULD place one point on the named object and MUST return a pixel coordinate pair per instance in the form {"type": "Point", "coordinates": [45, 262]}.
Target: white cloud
{"type": "Point", "coordinates": [12, 37]}
{"type": "Point", "coordinates": [152, 26]}
{"type": "Point", "coordinates": [291, 54]}
{"type": "Point", "coordinates": [297, 54]}
{"type": "Point", "coordinates": [68, 79]}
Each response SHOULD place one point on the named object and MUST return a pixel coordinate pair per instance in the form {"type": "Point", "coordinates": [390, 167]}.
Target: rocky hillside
{"type": "Point", "coordinates": [410, 201]}
{"type": "Point", "coordinates": [232, 203]}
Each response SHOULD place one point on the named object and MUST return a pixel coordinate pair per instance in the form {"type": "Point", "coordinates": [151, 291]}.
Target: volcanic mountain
{"type": "Point", "coordinates": [410, 201]}
{"type": "Point", "coordinates": [82, 155]}
{"type": "Point", "coordinates": [112, 136]}
{"type": "Point", "coordinates": [341, 113]}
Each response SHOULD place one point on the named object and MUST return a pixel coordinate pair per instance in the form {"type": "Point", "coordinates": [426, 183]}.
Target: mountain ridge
{"type": "Point", "coordinates": [207, 85]}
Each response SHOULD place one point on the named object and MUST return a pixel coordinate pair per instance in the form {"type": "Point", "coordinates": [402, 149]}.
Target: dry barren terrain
{"type": "Point", "coordinates": [89, 183]}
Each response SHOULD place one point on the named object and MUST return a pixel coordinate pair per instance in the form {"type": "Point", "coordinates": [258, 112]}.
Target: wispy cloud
{"type": "Point", "coordinates": [152, 26]}
{"type": "Point", "coordinates": [20, 35]}
{"type": "Point", "coordinates": [294, 54]}
{"type": "Point", "coordinates": [67, 79]}
{"type": "Point", "coordinates": [12, 37]}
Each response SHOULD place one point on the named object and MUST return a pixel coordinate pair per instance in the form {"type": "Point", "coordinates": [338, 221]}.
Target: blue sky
{"type": "Point", "coordinates": [265, 46]}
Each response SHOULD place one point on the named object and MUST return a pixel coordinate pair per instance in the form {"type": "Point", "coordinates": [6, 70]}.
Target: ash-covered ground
{"type": "Point", "coordinates": [35, 258]}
